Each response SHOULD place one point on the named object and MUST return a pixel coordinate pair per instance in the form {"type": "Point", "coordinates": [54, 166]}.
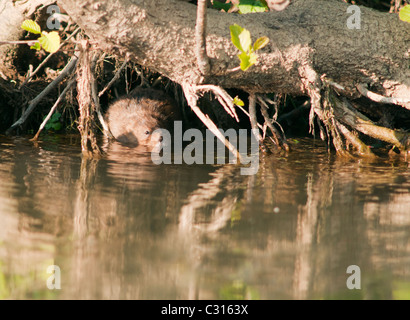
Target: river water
{"type": "Point", "coordinates": [123, 228]}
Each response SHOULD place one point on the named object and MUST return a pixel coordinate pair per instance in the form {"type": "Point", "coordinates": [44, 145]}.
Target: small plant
{"type": "Point", "coordinates": [238, 102]}
{"type": "Point", "coordinates": [404, 13]}
{"type": "Point", "coordinates": [243, 6]}
{"type": "Point", "coordinates": [241, 38]}
{"type": "Point", "coordinates": [221, 6]}
{"type": "Point", "coordinates": [49, 41]}
{"type": "Point", "coordinates": [54, 122]}
{"type": "Point", "coordinates": [249, 6]}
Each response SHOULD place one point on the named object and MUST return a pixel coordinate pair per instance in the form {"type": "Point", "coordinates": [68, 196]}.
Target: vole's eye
{"type": "Point", "coordinates": [147, 132]}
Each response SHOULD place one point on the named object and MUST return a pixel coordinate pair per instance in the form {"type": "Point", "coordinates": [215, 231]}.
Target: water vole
{"type": "Point", "coordinates": [133, 119]}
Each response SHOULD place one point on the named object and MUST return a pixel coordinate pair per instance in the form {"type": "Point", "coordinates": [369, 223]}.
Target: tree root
{"type": "Point", "coordinates": [114, 79]}
{"type": "Point", "coordinates": [191, 94]}
{"type": "Point", "coordinates": [87, 105]}
{"type": "Point", "coordinates": [69, 68]}
{"type": "Point", "coordinates": [96, 97]}
{"type": "Point", "coordinates": [382, 99]}
{"type": "Point", "coordinates": [278, 137]}
{"type": "Point", "coordinates": [253, 119]}
{"type": "Point", "coordinates": [54, 107]}
{"type": "Point", "coordinates": [342, 121]}
{"type": "Point", "coordinates": [223, 97]}
{"type": "Point", "coordinates": [348, 115]}
{"type": "Point", "coordinates": [362, 148]}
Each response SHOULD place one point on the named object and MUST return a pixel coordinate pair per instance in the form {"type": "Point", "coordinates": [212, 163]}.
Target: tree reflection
{"type": "Point", "coordinates": [122, 228]}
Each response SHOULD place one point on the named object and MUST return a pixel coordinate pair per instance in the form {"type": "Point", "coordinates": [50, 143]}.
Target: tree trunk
{"type": "Point", "coordinates": [308, 36]}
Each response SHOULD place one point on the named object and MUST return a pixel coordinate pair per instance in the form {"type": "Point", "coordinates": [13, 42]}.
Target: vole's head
{"type": "Point", "coordinates": [134, 120]}
{"type": "Point", "coordinates": [140, 129]}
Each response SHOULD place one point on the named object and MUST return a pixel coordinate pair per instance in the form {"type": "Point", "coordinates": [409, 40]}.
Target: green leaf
{"type": "Point", "coordinates": [260, 43]}
{"type": "Point", "coordinates": [57, 126]}
{"type": "Point", "coordinates": [249, 6]}
{"type": "Point", "coordinates": [265, 4]}
{"type": "Point", "coordinates": [50, 41]}
{"type": "Point", "coordinates": [238, 102]}
{"type": "Point", "coordinates": [36, 46]}
{"type": "Point", "coordinates": [55, 117]}
{"type": "Point", "coordinates": [221, 6]}
{"type": "Point", "coordinates": [54, 122]}
{"type": "Point", "coordinates": [247, 60]}
{"type": "Point", "coordinates": [245, 40]}
{"type": "Point", "coordinates": [244, 58]}
{"type": "Point", "coordinates": [240, 37]}
{"type": "Point", "coordinates": [48, 126]}
{"type": "Point", "coordinates": [31, 26]}
{"type": "Point", "coordinates": [236, 30]}
{"type": "Point", "coordinates": [404, 13]}
{"type": "Point", "coordinates": [253, 58]}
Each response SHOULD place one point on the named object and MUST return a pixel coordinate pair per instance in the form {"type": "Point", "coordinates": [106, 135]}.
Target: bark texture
{"type": "Point", "coordinates": [161, 35]}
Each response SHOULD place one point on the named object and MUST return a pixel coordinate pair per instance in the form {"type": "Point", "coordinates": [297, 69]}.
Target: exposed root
{"type": "Point", "coordinates": [87, 106]}
{"type": "Point", "coordinates": [227, 102]}
{"type": "Point", "coordinates": [382, 99]}
{"type": "Point", "coordinates": [357, 121]}
{"type": "Point", "coordinates": [278, 137]}
{"type": "Point", "coordinates": [223, 97]}
{"type": "Point", "coordinates": [248, 115]}
{"type": "Point", "coordinates": [361, 147]}
{"type": "Point", "coordinates": [67, 71]}
{"type": "Point", "coordinates": [253, 119]}
{"type": "Point", "coordinates": [114, 79]}
{"type": "Point", "coordinates": [60, 98]}
{"type": "Point", "coordinates": [191, 94]}
{"type": "Point", "coordinates": [313, 86]}
{"type": "Point", "coordinates": [95, 97]}
{"type": "Point", "coordinates": [341, 119]}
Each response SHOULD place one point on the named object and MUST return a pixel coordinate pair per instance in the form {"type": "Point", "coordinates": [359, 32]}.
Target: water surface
{"type": "Point", "coordinates": [124, 228]}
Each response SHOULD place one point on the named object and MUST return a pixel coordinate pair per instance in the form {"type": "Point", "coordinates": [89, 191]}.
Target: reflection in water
{"type": "Point", "coordinates": [123, 228]}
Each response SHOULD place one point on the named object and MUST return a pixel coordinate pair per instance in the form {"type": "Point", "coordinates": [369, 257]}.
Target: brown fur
{"type": "Point", "coordinates": [134, 118]}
